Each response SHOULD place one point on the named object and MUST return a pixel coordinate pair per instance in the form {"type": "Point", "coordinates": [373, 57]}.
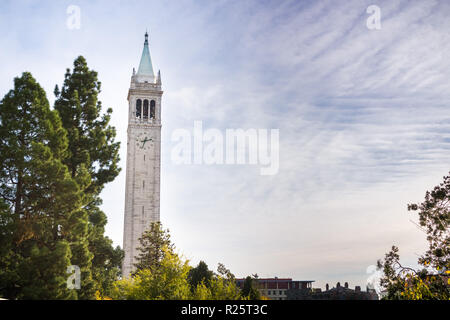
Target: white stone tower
{"type": "Point", "coordinates": [142, 189]}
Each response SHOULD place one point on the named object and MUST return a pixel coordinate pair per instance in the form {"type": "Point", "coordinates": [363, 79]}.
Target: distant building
{"type": "Point", "coordinates": [277, 288]}
{"type": "Point", "coordinates": [336, 293]}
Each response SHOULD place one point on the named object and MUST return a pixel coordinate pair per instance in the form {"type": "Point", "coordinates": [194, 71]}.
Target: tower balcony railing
{"type": "Point", "coordinates": [146, 84]}
{"type": "Point", "coordinates": [141, 119]}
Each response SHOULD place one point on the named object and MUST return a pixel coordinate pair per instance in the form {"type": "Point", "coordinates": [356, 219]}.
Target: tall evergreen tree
{"type": "Point", "coordinates": [91, 138]}
{"type": "Point", "coordinates": [154, 243]}
{"type": "Point", "coordinates": [42, 228]}
{"type": "Point", "coordinates": [91, 145]}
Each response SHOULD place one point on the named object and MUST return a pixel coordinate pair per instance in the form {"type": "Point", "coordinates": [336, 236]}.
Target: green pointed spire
{"type": "Point", "coordinates": [145, 66]}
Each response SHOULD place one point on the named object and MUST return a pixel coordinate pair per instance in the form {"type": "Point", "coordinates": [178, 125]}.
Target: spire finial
{"type": "Point", "coordinates": [158, 78]}
{"type": "Point", "coordinates": [145, 66]}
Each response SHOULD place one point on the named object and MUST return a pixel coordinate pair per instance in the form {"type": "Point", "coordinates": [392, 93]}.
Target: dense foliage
{"type": "Point", "coordinates": [91, 147]}
{"type": "Point", "coordinates": [43, 228]}
{"type": "Point", "coordinates": [432, 281]}
{"type": "Point", "coordinates": [154, 244]}
{"type": "Point", "coordinates": [161, 274]}
{"type": "Point", "coordinates": [54, 164]}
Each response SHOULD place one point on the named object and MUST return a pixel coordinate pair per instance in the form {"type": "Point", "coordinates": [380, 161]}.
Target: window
{"type": "Point", "coordinates": [269, 293]}
{"type": "Point", "coordinates": [281, 292]}
{"type": "Point", "coordinates": [145, 109]}
{"type": "Point", "coordinates": [138, 108]}
{"type": "Point", "coordinates": [152, 109]}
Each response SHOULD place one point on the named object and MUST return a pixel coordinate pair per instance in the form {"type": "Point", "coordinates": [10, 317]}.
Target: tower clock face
{"type": "Point", "coordinates": [144, 140]}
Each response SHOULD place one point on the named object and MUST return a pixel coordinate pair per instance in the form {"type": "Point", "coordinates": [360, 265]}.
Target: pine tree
{"type": "Point", "coordinates": [91, 138]}
{"type": "Point", "coordinates": [91, 146]}
{"type": "Point", "coordinates": [41, 223]}
{"type": "Point", "coordinates": [152, 242]}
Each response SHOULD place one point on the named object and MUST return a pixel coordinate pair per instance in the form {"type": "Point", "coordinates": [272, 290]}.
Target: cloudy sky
{"type": "Point", "coordinates": [363, 118]}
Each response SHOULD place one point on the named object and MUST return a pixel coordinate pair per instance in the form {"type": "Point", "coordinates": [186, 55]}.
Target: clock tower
{"type": "Point", "coordinates": [142, 188]}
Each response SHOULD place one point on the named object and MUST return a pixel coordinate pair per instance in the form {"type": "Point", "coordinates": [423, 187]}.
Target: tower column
{"type": "Point", "coordinates": [142, 187]}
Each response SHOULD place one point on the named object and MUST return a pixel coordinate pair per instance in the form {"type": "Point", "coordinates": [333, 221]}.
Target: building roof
{"type": "Point", "coordinates": [146, 66]}
{"type": "Point", "coordinates": [276, 280]}
{"type": "Point", "coordinates": [278, 283]}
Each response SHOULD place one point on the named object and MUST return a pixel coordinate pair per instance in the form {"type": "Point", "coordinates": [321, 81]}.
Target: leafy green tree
{"type": "Point", "coordinates": [162, 274]}
{"type": "Point", "coordinates": [393, 281]}
{"type": "Point", "coordinates": [225, 273]}
{"type": "Point", "coordinates": [404, 283]}
{"type": "Point", "coordinates": [224, 289]}
{"type": "Point", "coordinates": [91, 147]}
{"type": "Point", "coordinates": [206, 285]}
{"type": "Point", "coordinates": [431, 282]}
{"type": "Point", "coordinates": [434, 218]}
{"type": "Point", "coordinates": [168, 281]}
{"type": "Point", "coordinates": [42, 226]}
{"type": "Point", "coordinates": [154, 244]}
{"type": "Point", "coordinates": [200, 274]}
{"type": "Point", "coordinates": [219, 288]}
{"type": "Point", "coordinates": [250, 289]}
